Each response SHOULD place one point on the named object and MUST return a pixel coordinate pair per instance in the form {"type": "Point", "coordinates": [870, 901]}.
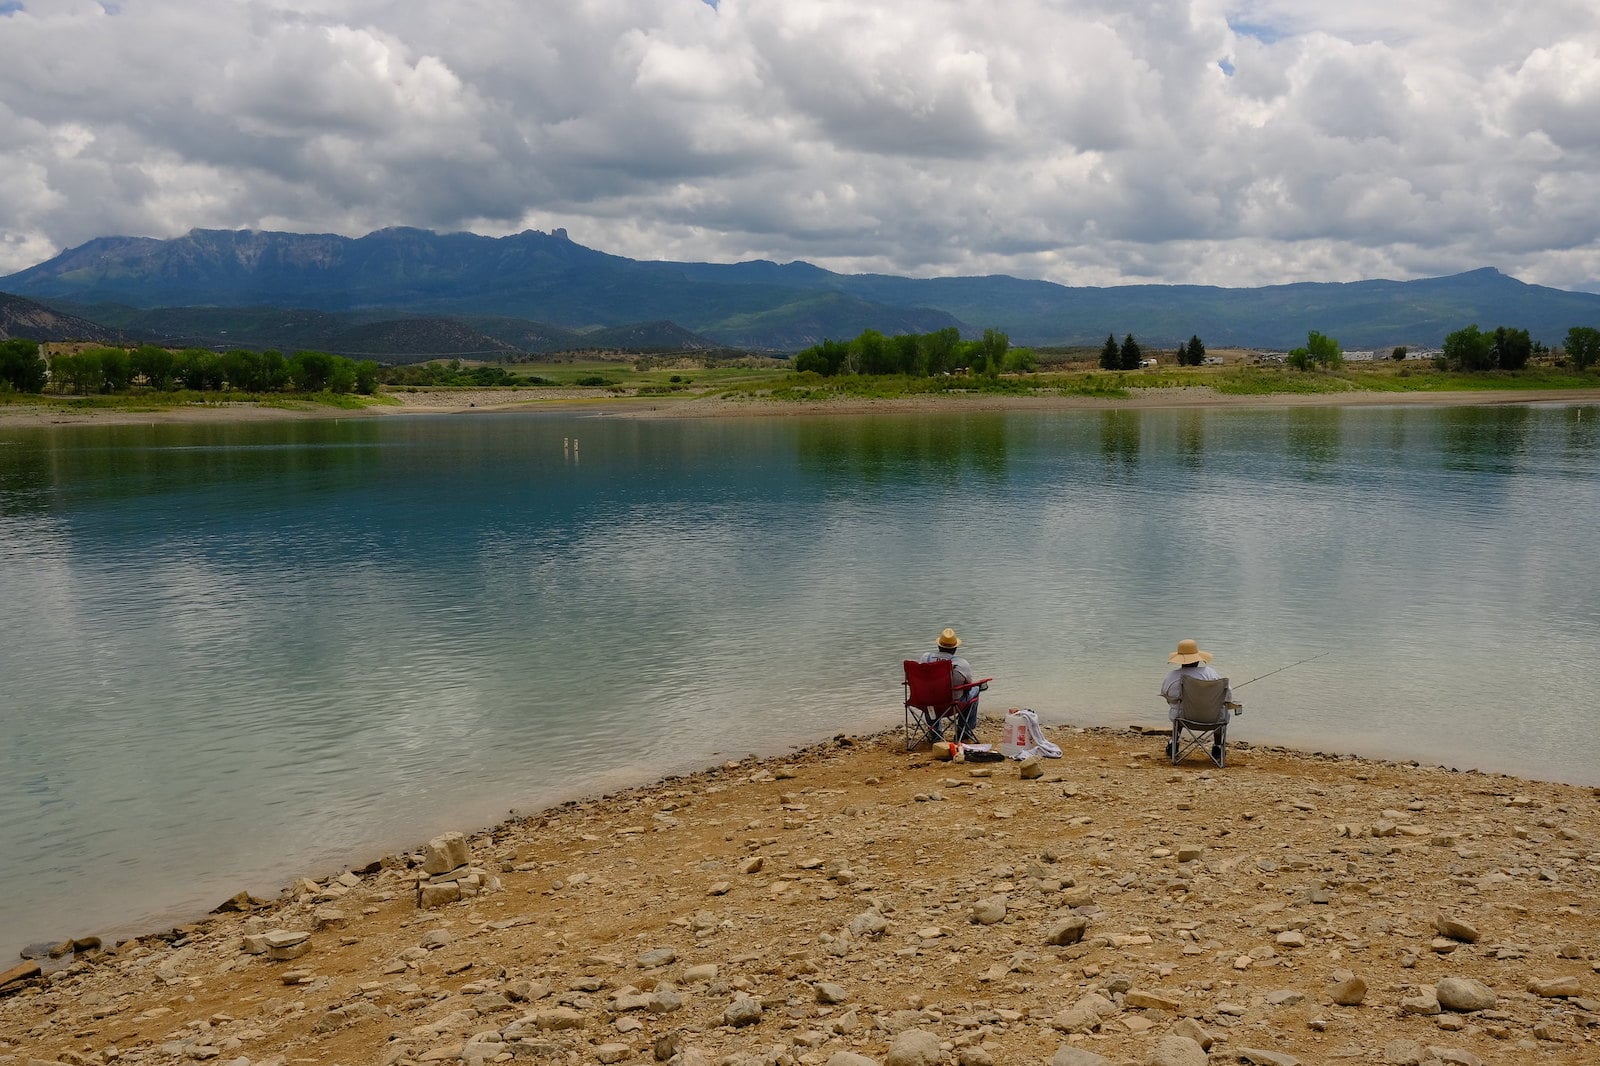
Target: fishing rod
{"type": "Point", "coordinates": [1281, 669]}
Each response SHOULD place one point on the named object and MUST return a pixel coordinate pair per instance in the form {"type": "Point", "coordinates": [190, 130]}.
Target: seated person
{"type": "Point", "coordinates": [1190, 661]}
{"type": "Point", "coordinates": [960, 674]}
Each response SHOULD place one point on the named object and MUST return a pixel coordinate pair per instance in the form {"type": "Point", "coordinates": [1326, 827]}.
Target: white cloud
{"type": "Point", "coordinates": [1088, 142]}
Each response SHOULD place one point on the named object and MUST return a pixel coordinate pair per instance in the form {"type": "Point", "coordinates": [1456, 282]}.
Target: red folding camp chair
{"type": "Point", "coordinates": [932, 703]}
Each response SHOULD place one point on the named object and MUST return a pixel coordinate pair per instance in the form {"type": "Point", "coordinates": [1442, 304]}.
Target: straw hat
{"type": "Point", "coordinates": [1189, 653]}
{"type": "Point", "coordinates": [949, 640]}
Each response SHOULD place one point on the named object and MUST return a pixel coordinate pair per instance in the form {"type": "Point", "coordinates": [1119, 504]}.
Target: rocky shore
{"type": "Point", "coordinates": [852, 904]}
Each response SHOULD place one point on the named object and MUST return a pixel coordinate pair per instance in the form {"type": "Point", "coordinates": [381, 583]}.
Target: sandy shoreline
{"type": "Point", "coordinates": [465, 401]}
{"type": "Point", "coordinates": [820, 906]}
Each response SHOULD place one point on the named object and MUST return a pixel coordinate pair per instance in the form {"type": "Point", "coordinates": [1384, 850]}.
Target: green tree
{"type": "Point", "coordinates": [21, 366]}
{"type": "Point", "coordinates": [78, 373]}
{"type": "Point", "coordinates": [1512, 347]}
{"type": "Point", "coordinates": [1320, 352]}
{"type": "Point", "coordinates": [994, 345]}
{"type": "Point", "coordinates": [156, 365]}
{"type": "Point", "coordinates": [274, 371]}
{"type": "Point", "coordinates": [1194, 353]}
{"type": "Point", "coordinates": [242, 370]}
{"type": "Point", "coordinates": [342, 375]}
{"type": "Point", "coordinates": [116, 368]}
{"type": "Point", "coordinates": [906, 355]}
{"type": "Point", "coordinates": [1398, 354]}
{"type": "Point", "coordinates": [1110, 355]}
{"type": "Point", "coordinates": [199, 369]}
{"type": "Point", "coordinates": [827, 358]}
{"type": "Point", "coordinates": [1583, 346]}
{"type": "Point", "coordinates": [870, 353]}
{"type": "Point", "coordinates": [312, 371]}
{"type": "Point", "coordinates": [1469, 349]}
{"type": "Point", "coordinates": [1131, 353]}
{"type": "Point", "coordinates": [367, 376]}
{"type": "Point", "coordinates": [1021, 361]}
{"type": "Point", "coordinates": [939, 349]}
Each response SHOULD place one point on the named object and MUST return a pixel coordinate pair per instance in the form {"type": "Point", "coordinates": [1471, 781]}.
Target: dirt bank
{"type": "Point", "coordinates": [819, 907]}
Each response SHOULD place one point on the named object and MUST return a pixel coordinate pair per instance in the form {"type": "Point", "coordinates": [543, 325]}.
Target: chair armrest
{"type": "Point", "coordinates": [975, 684]}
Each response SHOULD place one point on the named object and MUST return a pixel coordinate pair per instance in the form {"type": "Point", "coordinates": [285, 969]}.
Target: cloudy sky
{"type": "Point", "coordinates": [1208, 141]}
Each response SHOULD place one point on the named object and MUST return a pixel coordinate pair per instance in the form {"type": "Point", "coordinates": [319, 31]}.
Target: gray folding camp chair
{"type": "Point", "coordinates": [1203, 722]}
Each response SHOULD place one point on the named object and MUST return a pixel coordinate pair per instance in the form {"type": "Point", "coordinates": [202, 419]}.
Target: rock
{"type": "Point", "coordinates": [752, 865]}
{"type": "Point", "coordinates": [705, 971]}
{"type": "Point", "coordinates": [1403, 1053]}
{"type": "Point", "coordinates": [1464, 994]}
{"type": "Point", "coordinates": [1194, 1031]}
{"type": "Point", "coordinates": [1454, 1056]}
{"type": "Point", "coordinates": [1284, 997]}
{"type": "Point", "coordinates": [741, 1012]}
{"type": "Point", "coordinates": [868, 923]}
{"type": "Point", "coordinates": [1067, 1055]}
{"type": "Point", "coordinates": [1176, 1051]}
{"type": "Point", "coordinates": [1555, 987]}
{"type": "Point", "coordinates": [558, 1018]}
{"type": "Point", "coordinates": [610, 1052]}
{"type": "Point", "coordinates": [1264, 1058]}
{"type": "Point", "coordinates": [1077, 895]}
{"type": "Point", "coordinates": [989, 911]}
{"type": "Point", "coordinates": [1076, 1020]}
{"type": "Point", "coordinates": [1068, 930]}
{"type": "Point", "coordinates": [1030, 768]}
{"type": "Point", "coordinates": [16, 975]}
{"type": "Point", "coordinates": [1291, 938]}
{"type": "Point", "coordinates": [444, 853]}
{"type": "Point", "coordinates": [429, 896]}
{"type": "Point", "coordinates": [914, 1047]}
{"type": "Point", "coordinates": [1138, 999]}
{"type": "Point", "coordinates": [827, 992]}
{"type": "Point", "coordinates": [1190, 852]}
{"type": "Point", "coordinates": [1456, 929]}
{"type": "Point", "coordinates": [1424, 1002]}
{"type": "Point", "coordinates": [664, 1001]}
{"type": "Point", "coordinates": [658, 957]}
{"type": "Point", "coordinates": [1348, 991]}
{"type": "Point", "coordinates": [849, 1058]}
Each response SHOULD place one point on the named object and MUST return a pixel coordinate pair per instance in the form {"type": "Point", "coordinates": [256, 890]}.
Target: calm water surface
{"type": "Point", "coordinates": [233, 654]}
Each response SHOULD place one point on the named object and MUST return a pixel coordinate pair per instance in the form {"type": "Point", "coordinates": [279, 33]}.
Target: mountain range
{"type": "Point", "coordinates": [409, 291]}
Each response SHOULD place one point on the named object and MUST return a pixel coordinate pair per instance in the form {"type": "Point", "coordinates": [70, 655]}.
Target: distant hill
{"type": "Point", "coordinates": [555, 287]}
{"type": "Point", "coordinates": [646, 337]}
{"type": "Point", "coordinates": [22, 318]}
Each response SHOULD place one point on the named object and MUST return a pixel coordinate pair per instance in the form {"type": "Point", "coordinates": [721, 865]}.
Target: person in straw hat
{"type": "Point", "coordinates": [960, 674]}
{"type": "Point", "coordinates": [1190, 661]}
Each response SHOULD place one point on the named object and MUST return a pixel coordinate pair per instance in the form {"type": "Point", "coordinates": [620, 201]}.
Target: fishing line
{"type": "Point", "coordinates": [1281, 669]}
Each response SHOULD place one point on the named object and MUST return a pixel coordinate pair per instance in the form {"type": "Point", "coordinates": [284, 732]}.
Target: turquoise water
{"type": "Point", "coordinates": [237, 653]}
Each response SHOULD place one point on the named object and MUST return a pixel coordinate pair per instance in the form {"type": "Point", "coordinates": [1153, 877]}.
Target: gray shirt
{"type": "Point", "coordinates": [960, 671]}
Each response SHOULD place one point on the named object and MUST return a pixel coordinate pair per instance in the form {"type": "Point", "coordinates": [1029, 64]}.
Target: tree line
{"type": "Point", "coordinates": [1510, 349]}
{"type": "Point", "coordinates": [1129, 355]}
{"type": "Point", "coordinates": [917, 354]}
{"type": "Point", "coordinates": [109, 370]}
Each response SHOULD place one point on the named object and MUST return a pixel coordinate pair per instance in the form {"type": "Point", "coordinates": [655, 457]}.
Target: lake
{"type": "Point", "coordinates": [234, 654]}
